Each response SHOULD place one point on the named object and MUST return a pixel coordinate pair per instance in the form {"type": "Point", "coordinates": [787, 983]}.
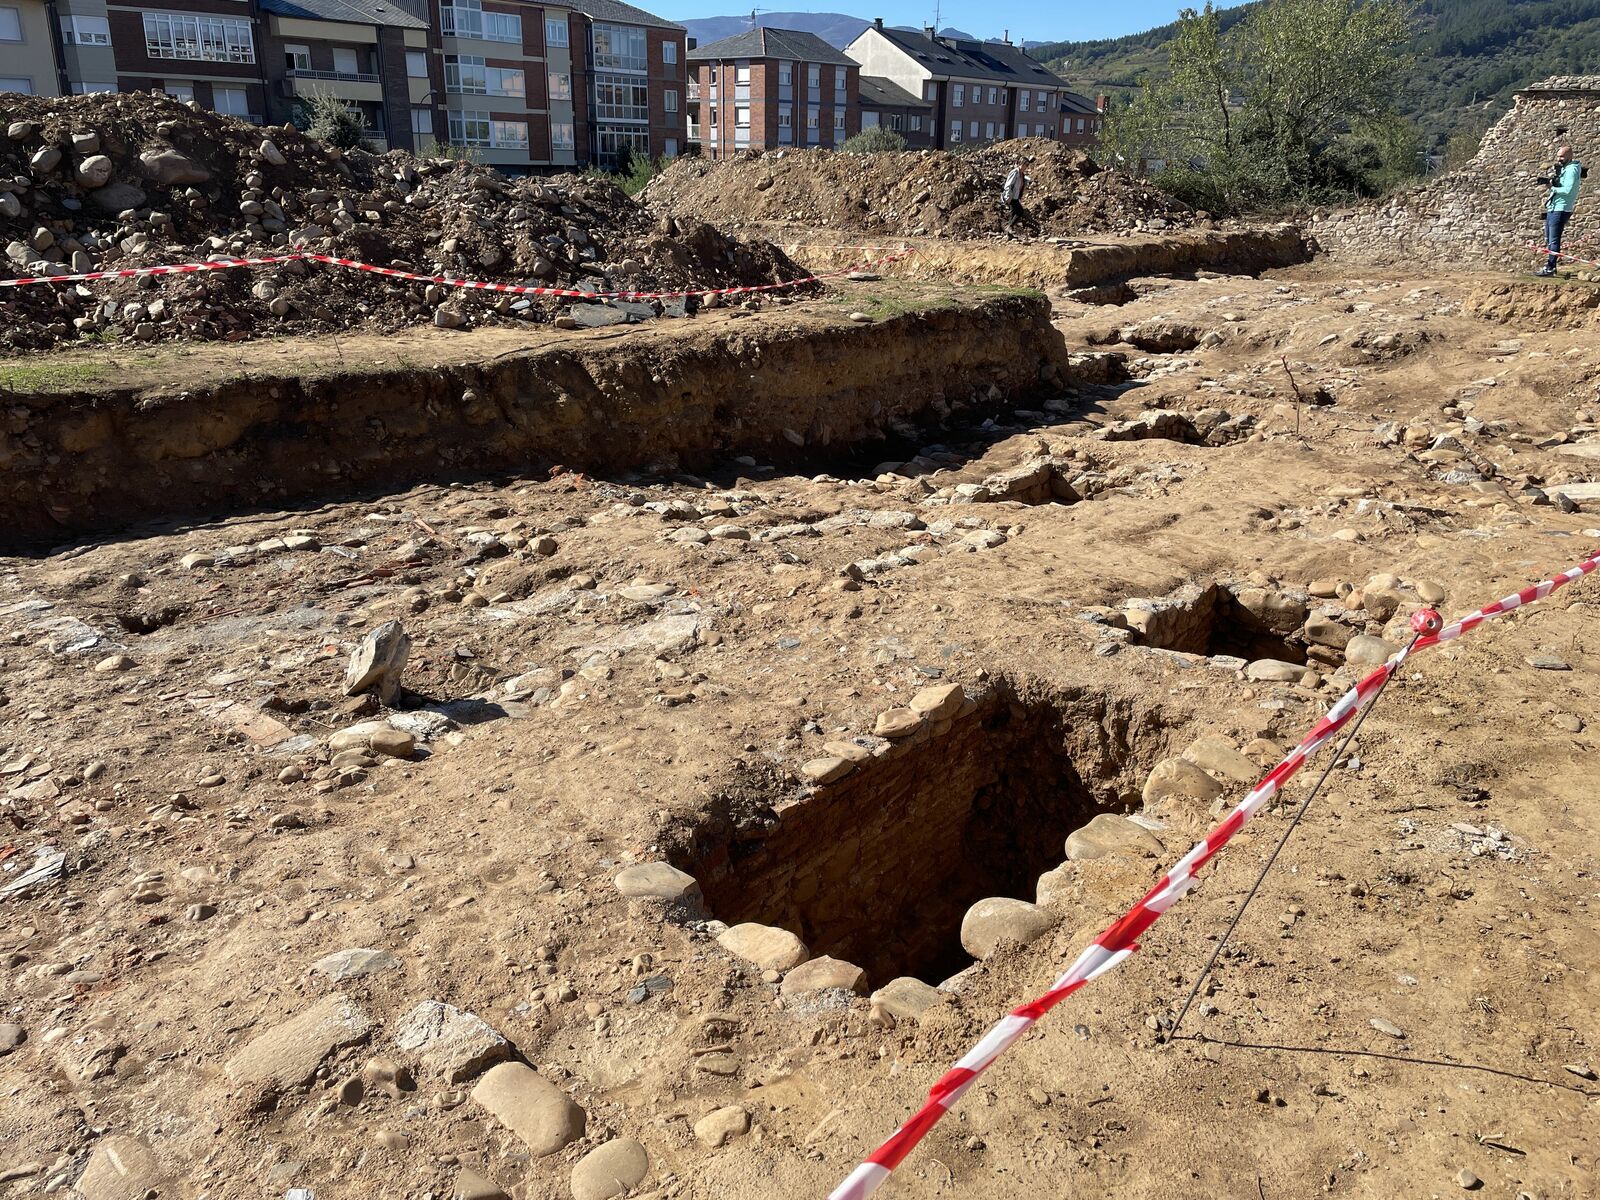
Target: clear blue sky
{"type": "Point", "coordinates": [1035, 20]}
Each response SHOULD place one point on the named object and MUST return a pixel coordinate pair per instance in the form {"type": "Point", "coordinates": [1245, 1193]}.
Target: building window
{"type": "Point", "coordinates": [422, 121]}
{"type": "Point", "coordinates": [741, 76]}
{"type": "Point", "coordinates": [1005, 97]}
{"type": "Point", "coordinates": [619, 47]}
{"type": "Point", "coordinates": [555, 31]}
{"type": "Point", "coordinates": [958, 95]}
{"type": "Point", "coordinates": [344, 61]}
{"type": "Point", "coordinates": [669, 100]}
{"type": "Point", "coordinates": [416, 64]}
{"type": "Point", "coordinates": [83, 31]}
{"type": "Point", "coordinates": [561, 137]}
{"type": "Point", "coordinates": [198, 38]}
{"type": "Point", "coordinates": [669, 56]}
{"type": "Point", "coordinates": [11, 31]}
{"type": "Point", "coordinates": [183, 93]}
{"type": "Point", "coordinates": [469, 128]}
{"type": "Point", "coordinates": [560, 85]}
{"type": "Point", "coordinates": [993, 95]}
{"type": "Point", "coordinates": [741, 116]}
{"type": "Point", "coordinates": [785, 74]}
{"type": "Point", "coordinates": [1044, 101]}
{"type": "Point", "coordinates": [973, 131]}
{"type": "Point", "coordinates": [15, 83]}
{"type": "Point", "coordinates": [620, 98]}
{"type": "Point", "coordinates": [612, 143]}
{"type": "Point", "coordinates": [509, 135]}
{"type": "Point", "coordinates": [813, 119]}
{"type": "Point", "coordinates": [988, 130]}
{"type": "Point", "coordinates": [955, 131]}
{"type": "Point", "coordinates": [230, 100]}
{"type": "Point", "coordinates": [785, 116]}
{"type": "Point", "coordinates": [914, 123]}
{"type": "Point", "coordinates": [466, 18]}
{"type": "Point", "coordinates": [504, 81]}
{"type": "Point", "coordinates": [669, 148]}
{"type": "Point", "coordinates": [813, 75]}
{"type": "Point", "coordinates": [465, 75]}
{"type": "Point", "coordinates": [838, 119]}
{"type": "Point", "coordinates": [297, 58]}
{"type": "Point", "coordinates": [82, 88]}
{"type": "Point", "coordinates": [930, 90]}
{"type": "Point", "coordinates": [1025, 100]}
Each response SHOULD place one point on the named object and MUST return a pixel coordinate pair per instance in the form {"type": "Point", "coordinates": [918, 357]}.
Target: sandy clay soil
{"type": "Point", "coordinates": [402, 965]}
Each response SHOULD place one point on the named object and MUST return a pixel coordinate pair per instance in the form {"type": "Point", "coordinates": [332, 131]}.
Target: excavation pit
{"type": "Point", "coordinates": [879, 868]}
{"type": "Point", "coordinates": [1210, 619]}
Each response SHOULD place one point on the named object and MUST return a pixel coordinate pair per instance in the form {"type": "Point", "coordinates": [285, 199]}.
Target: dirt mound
{"type": "Point", "coordinates": [115, 181]}
{"type": "Point", "coordinates": [916, 192]}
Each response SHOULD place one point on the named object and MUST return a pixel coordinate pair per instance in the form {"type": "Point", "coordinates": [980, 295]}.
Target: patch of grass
{"type": "Point", "coordinates": [48, 376]}
{"type": "Point", "coordinates": [881, 305]}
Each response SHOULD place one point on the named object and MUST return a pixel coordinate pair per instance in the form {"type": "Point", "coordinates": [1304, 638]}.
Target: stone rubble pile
{"type": "Point", "coordinates": [115, 181]}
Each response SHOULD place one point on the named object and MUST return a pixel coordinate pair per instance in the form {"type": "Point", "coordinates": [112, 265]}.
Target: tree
{"type": "Point", "coordinates": [1293, 103]}
{"type": "Point", "coordinates": [333, 121]}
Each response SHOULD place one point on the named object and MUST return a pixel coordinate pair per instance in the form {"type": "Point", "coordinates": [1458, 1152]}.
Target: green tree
{"type": "Point", "coordinates": [873, 140]}
{"type": "Point", "coordinates": [1293, 103]}
{"type": "Point", "coordinates": [333, 121]}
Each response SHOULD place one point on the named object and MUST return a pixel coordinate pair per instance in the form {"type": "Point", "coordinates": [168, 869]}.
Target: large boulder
{"type": "Point", "coordinates": [993, 921]}
{"type": "Point", "coordinates": [168, 168]}
{"type": "Point", "coordinates": [544, 1117]}
{"type": "Point", "coordinates": [1111, 836]}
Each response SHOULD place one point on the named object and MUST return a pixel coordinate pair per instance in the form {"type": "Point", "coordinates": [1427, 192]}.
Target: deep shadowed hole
{"type": "Point", "coordinates": [1211, 621]}
{"type": "Point", "coordinates": [880, 868]}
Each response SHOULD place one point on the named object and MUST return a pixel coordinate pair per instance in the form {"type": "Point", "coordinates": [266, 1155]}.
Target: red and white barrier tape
{"type": "Point", "coordinates": [224, 264]}
{"type": "Point", "coordinates": [1559, 254]}
{"type": "Point", "coordinates": [1121, 939]}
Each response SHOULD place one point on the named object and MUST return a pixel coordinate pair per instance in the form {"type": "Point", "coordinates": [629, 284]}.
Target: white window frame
{"type": "Point", "coordinates": [741, 116]}
{"type": "Point", "coordinates": [619, 47]}
{"type": "Point", "coordinates": [297, 58]}
{"type": "Point", "coordinates": [183, 93]}
{"type": "Point", "coordinates": [467, 18]}
{"type": "Point", "coordinates": [219, 90]}
{"type": "Point", "coordinates": [813, 75]}
{"type": "Point", "coordinates": [741, 75]}
{"type": "Point", "coordinates": [1044, 101]}
{"type": "Point", "coordinates": [914, 123]}
{"type": "Point", "coordinates": [669, 100]}
{"type": "Point", "coordinates": [16, 83]}
{"type": "Point", "coordinates": [669, 148]}
{"type": "Point", "coordinates": [785, 116]}
{"type": "Point", "coordinates": [988, 130]}
{"type": "Point", "coordinates": [955, 130]}
{"type": "Point", "coordinates": [503, 135]}
{"type": "Point", "coordinates": [85, 87]}
{"type": "Point", "coordinates": [813, 118]}
{"type": "Point", "coordinates": [562, 136]}
{"type": "Point", "coordinates": [972, 130]}
{"type": "Point", "coordinates": [198, 37]}
{"type": "Point", "coordinates": [19, 39]}
{"type": "Point", "coordinates": [838, 119]}
{"type": "Point", "coordinates": [348, 55]}
{"type": "Point", "coordinates": [556, 32]}
{"type": "Point", "coordinates": [785, 74]}
{"type": "Point", "coordinates": [414, 58]}
{"type": "Point", "coordinates": [422, 121]}
{"type": "Point", "coordinates": [624, 98]}
{"type": "Point", "coordinates": [561, 90]}
{"type": "Point", "coordinates": [669, 54]}
{"type": "Point", "coordinates": [85, 31]}
{"type": "Point", "coordinates": [993, 93]}
{"type": "Point", "coordinates": [479, 133]}
{"type": "Point", "coordinates": [958, 95]}
{"type": "Point", "coordinates": [1026, 104]}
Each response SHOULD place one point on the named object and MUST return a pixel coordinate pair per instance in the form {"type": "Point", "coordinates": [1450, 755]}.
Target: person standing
{"type": "Point", "coordinates": [1016, 183]}
{"type": "Point", "coordinates": [1559, 205]}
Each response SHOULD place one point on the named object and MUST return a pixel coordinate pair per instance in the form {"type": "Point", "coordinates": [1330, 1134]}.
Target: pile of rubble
{"type": "Point", "coordinates": [127, 180]}
{"type": "Point", "coordinates": [914, 193]}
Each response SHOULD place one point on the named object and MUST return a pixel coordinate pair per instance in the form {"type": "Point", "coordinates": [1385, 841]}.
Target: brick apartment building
{"type": "Point", "coordinates": [371, 55]}
{"type": "Point", "coordinates": [979, 91]}
{"type": "Point", "coordinates": [526, 87]}
{"type": "Point", "coordinates": [769, 88]}
{"type": "Point", "coordinates": [887, 104]}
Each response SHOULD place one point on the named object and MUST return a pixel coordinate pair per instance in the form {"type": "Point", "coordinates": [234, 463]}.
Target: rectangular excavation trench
{"type": "Point", "coordinates": [880, 868]}
{"type": "Point", "coordinates": [1208, 619]}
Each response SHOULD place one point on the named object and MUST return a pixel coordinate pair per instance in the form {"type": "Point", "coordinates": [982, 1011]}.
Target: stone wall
{"type": "Point", "coordinates": [1484, 214]}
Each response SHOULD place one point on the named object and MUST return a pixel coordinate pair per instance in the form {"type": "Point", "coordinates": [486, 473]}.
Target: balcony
{"type": "Point", "coordinates": [694, 91]}
{"type": "Point", "coordinates": [346, 85]}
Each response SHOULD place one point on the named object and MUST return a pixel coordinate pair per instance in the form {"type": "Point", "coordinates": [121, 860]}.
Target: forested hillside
{"type": "Point", "coordinates": [1472, 55]}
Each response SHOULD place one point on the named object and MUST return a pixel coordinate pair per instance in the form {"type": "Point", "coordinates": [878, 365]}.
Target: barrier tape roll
{"type": "Point", "coordinates": [1120, 940]}
{"type": "Point", "coordinates": [225, 264]}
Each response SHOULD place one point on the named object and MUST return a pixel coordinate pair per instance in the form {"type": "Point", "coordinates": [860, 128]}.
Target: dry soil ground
{"type": "Point", "coordinates": [627, 692]}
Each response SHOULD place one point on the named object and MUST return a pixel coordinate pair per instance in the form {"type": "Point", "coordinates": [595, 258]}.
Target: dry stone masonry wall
{"type": "Point", "coordinates": [1484, 214]}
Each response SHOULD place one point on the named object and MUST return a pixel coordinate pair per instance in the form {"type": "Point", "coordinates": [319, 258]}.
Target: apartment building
{"type": "Point", "coordinates": [371, 55]}
{"type": "Point", "coordinates": [636, 82]}
{"type": "Point", "coordinates": [768, 88]}
{"type": "Point", "coordinates": [27, 49]}
{"type": "Point", "coordinates": [979, 91]}
{"type": "Point", "coordinates": [201, 50]}
{"type": "Point", "coordinates": [887, 104]}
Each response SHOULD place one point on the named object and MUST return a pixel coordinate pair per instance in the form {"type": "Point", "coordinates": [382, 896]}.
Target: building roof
{"type": "Point", "coordinates": [878, 92]}
{"type": "Point", "coordinates": [989, 61]}
{"type": "Point", "coordinates": [355, 12]}
{"type": "Point", "coordinates": [792, 44]}
{"type": "Point", "coordinates": [619, 13]}
{"type": "Point", "coordinates": [1074, 102]}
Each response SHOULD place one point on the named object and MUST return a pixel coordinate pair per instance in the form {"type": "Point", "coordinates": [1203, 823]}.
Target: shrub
{"type": "Point", "coordinates": [875, 140]}
{"type": "Point", "coordinates": [333, 122]}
